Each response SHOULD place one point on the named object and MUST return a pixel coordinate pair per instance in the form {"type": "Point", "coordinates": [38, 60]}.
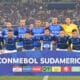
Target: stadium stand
{"type": "Point", "coordinates": [13, 12]}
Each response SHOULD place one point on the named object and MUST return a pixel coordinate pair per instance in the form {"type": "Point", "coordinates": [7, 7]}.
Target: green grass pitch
{"type": "Point", "coordinates": [38, 78]}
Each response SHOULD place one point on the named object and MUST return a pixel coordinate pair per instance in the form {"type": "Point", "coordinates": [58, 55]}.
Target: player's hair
{"type": "Point", "coordinates": [74, 30]}
{"type": "Point", "coordinates": [10, 31]}
{"type": "Point", "coordinates": [28, 32]}
{"type": "Point", "coordinates": [47, 29]}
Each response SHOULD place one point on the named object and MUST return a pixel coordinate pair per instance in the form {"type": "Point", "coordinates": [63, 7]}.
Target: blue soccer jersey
{"type": "Point", "coordinates": [46, 41]}
{"type": "Point", "coordinates": [37, 32]}
{"type": "Point", "coordinates": [20, 32]}
{"type": "Point", "coordinates": [29, 44]}
{"type": "Point", "coordinates": [45, 38]}
{"type": "Point", "coordinates": [62, 42]}
{"type": "Point", "coordinates": [10, 43]}
{"type": "Point", "coordinates": [5, 31]}
{"type": "Point", "coordinates": [75, 43]}
{"type": "Point", "coordinates": [55, 29]}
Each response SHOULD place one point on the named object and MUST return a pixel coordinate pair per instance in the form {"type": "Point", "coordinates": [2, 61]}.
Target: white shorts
{"type": "Point", "coordinates": [75, 50]}
{"type": "Point", "coordinates": [61, 49]}
{"type": "Point", "coordinates": [29, 50]}
{"type": "Point", "coordinates": [10, 51]}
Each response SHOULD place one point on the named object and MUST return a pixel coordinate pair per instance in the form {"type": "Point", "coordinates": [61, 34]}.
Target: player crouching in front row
{"type": "Point", "coordinates": [74, 41]}
{"type": "Point", "coordinates": [62, 41]}
{"type": "Point", "coordinates": [10, 43]}
{"type": "Point", "coordinates": [46, 40]}
{"type": "Point", "coordinates": [29, 42]}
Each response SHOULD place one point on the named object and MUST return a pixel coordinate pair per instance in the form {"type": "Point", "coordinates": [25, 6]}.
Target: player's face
{"type": "Point", "coordinates": [62, 33]}
{"type": "Point", "coordinates": [68, 20]}
{"type": "Point", "coordinates": [8, 25]}
{"type": "Point", "coordinates": [28, 36]}
{"type": "Point", "coordinates": [46, 24]}
{"type": "Point", "coordinates": [54, 20]}
{"type": "Point", "coordinates": [22, 23]}
{"type": "Point", "coordinates": [46, 32]}
{"type": "Point", "coordinates": [37, 23]}
{"type": "Point", "coordinates": [10, 34]}
{"type": "Point", "coordinates": [75, 34]}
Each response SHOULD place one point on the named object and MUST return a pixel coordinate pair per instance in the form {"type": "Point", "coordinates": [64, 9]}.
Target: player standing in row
{"type": "Point", "coordinates": [69, 26]}
{"type": "Point", "coordinates": [37, 31]}
{"type": "Point", "coordinates": [8, 27]}
{"type": "Point", "coordinates": [20, 32]}
{"type": "Point", "coordinates": [55, 27]}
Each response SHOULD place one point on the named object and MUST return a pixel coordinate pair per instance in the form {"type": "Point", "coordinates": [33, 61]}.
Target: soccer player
{"type": "Point", "coordinates": [46, 40]}
{"type": "Point", "coordinates": [28, 42]}
{"type": "Point", "coordinates": [9, 27]}
{"type": "Point", "coordinates": [10, 42]}
{"type": "Point", "coordinates": [74, 41]}
{"type": "Point", "coordinates": [62, 41]}
{"type": "Point", "coordinates": [69, 26]}
{"type": "Point", "coordinates": [37, 31]}
{"type": "Point", "coordinates": [55, 27]}
{"type": "Point", "coordinates": [20, 32]}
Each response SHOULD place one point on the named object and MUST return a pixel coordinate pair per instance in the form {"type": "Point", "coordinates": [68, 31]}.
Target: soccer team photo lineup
{"type": "Point", "coordinates": [40, 39]}
{"type": "Point", "coordinates": [40, 36]}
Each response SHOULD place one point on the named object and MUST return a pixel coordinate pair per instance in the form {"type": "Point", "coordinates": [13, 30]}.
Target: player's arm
{"type": "Point", "coordinates": [17, 41]}
{"type": "Point", "coordinates": [54, 39]}
{"type": "Point", "coordinates": [69, 44]}
{"type": "Point", "coordinates": [16, 32]}
{"type": "Point", "coordinates": [3, 45]}
{"type": "Point", "coordinates": [41, 39]}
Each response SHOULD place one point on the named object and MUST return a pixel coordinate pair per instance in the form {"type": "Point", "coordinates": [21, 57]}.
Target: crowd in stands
{"type": "Point", "coordinates": [14, 12]}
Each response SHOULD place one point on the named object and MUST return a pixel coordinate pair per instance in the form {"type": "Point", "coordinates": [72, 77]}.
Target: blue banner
{"type": "Point", "coordinates": [40, 63]}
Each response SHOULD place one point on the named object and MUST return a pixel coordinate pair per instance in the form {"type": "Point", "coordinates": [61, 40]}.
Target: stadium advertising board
{"type": "Point", "coordinates": [40, 63]}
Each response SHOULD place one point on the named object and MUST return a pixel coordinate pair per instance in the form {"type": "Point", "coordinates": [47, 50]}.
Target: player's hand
{"type": "Point", "coordinates": [3, 51]}
{"type": "Point", "coordinates": [53, 42]}
{"type": "Point", "coordinates": [41, 41]}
